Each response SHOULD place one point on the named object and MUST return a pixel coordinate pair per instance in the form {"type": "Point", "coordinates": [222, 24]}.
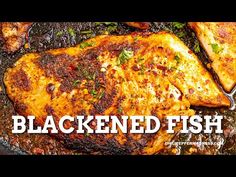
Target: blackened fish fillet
{"type": "Point", "coordinates": [137, 74]}
{"type": "Point", "coordinates": [219, 41]}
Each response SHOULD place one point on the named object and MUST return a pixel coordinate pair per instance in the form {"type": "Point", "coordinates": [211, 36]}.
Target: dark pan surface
{"type": "Point", "coordinates": [44, 36]}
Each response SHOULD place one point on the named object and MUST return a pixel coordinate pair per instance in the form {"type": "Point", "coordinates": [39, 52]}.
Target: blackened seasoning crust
{"type": "Point", "coordinates": [71, 71]}
{"type": "Point", "coordinates": [21, 80]}
{"type": "Point", "coordinates": [105, 102]}
{"type": "Point", "coordinates": [20, 107]}
{"type": "Point", "coordinates": [49, 110]}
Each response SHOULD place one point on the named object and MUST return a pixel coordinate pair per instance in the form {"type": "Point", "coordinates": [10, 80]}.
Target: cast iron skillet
{"type": "Point", "coordinates": [44, 36]}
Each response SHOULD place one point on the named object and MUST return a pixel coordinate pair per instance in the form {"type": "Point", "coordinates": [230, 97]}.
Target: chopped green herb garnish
{"type": "Point", "coordinates": [177, 58]}
{"type": "Point", "coordinates": [172, 68]}
{"type": "Point", "coordinates": [124, 56]}
{"type": "Point", "coordinates": [120, 110]}
{"type": "Point", "coordinates": [87, 134]}
{"type": "Point", "coordinates": [59, 33]}
{"type": "Point", "coordinates": [101, 95]}
{"type": "Point", "coordinates": [76, 82]}
{"type": "Point", "coordinates": [99, 84]}
{"type": "Point", "coordinates": [111, 28]}
{"type": "Point", "coordinates": [196, 47]}
{"type": "Point", "coordinates": [142, 70]}
{"type": "Point", "coordinates": [135, 38]}
{"type": "Point", "coordinates": [86, 44]}
{"type": "Point", "coordinates": [181, 34]}
{"type": "Point", "coordinates": [78, 68]}
{"type": "Point", "coordinates": [178, 25]}
{"type": "Point", "coordinates": [93, 92]}
{"type": "Point", "coordinates": [193, 34]}
{"type": "Point", "coordinates": [140, 59]}
{"type": "Point", "coordinates": [71, 31]}
{"type": "Point", "coordinates": [110, 23]}
{"type": "Point", "coordinates": [86, 32]}
{"type": "Point", "coordinates": [216, 48]}
{"type": "Point", "coordinates": [98, 23]}
{"type": "Point", "coordinates": [88, 75]}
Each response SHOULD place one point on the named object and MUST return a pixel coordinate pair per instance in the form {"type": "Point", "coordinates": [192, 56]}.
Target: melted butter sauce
{"type": "Point", "coordinates": [45, 36]}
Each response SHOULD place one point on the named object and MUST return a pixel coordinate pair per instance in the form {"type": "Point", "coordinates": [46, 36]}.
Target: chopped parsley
{"type": "Point", "coordinates": [181, 34]}
{"type": "Point", "coordinates": [172, 68]}
{"type": "Point", "coordinates": [196, 47]}
{"type": "Point", "coordinates": [216, 48]}
{"type": "Point", "coordinates": [59, 33]}
{"type": "Point", "coordinates": [86, 74]}
{"type": "Point", "coordinates": [135, 38]}
{"type": "Point", "coordinates": [86, 32]}
{"type": "Point", "coordinates": [79, 68]}
{"type": "Point", "coordinates": [89, 76]}
{"type": "Point", "coordinates": [93, 76]}
{"type": "Point", "coordinates": [140, 59]}
{"type": "Point", "coordinates": [76, 83]}
{"type": "Point", "coordinates": [86, 44]}
{"type": "Point", "coordinates": [93, 92]}
{"type": "Point", "coordinates": [142, 70]}
{"type": "Point", "coordinates": [120, 110]}
{"type": "Point", "coordinates": [124, 56]}
{"type": "Point", "coordinates": [101, 94]}
{"type": "Point", "coordinates": [178, 25]}
{"type": "Point", "coordinates": [111, 26]}
{"type": "Point", "coordinates": [177, 58]}
{"type": "Point", "coordinates": [71, 31]}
